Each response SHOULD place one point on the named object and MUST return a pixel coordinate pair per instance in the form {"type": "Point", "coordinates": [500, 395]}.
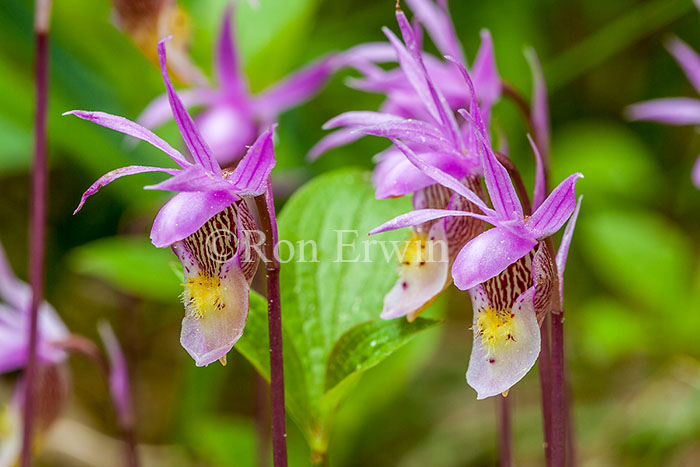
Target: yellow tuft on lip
{"type": "Point", "coordinates": [203, 294]}
{"type": "Point", "coordinates": [495, 328]}
{"type": "Point", "coordinates": [414, 250]}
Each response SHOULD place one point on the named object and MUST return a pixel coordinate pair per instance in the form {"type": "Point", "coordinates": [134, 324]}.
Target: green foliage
{"type": "Point", "coordinates": [329, 307]}
{"type": "Point", "coordinates": [130, 264]}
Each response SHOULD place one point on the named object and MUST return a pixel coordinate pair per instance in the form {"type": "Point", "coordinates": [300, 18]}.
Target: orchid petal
{"type": "Point", "coordinates": [359, 118]}
{"type": "Point", "coordinates": [563, 251]}
{"type": "Point", "coordinates": [419, 284]}
{"type": "Point", "coordinates": [228, 70]}
{"type": "Point", "coordinates": [12, 290]}
{"type": "Point", "coordinates": [295, 89]}
{"type": "Point", "coordinates": [333, 140]}
{"type": "Point", "coordinates": [500, 187]}
{"type": "Point", "coordinates": [493, 371]}
{"type": "Point", "coordinates": [118, 374]}
{"type": "Point", "coordinates": [484, 72]}
{"type": "Point", "coordinates": [442, 177]}
{"type": "Point", "coordinates": [370, 52]}
{"type": "Point", "coordinates": [227, 129]}
{"type": "Point", "coordinates": [673, 111]}
{"type": "Point", "coordinates": [445, 114]}
{"type": "Point", "coordinates": [186, 213]}
{"type": "Point", "coordinates": [210, 337]}
{"type": "Point", "coordinates": [439, 25]}
{"type": "Point", "coordinates": [414, 74]}
{"type": "Point", "coordinates": [687, 59]}
{"type": "Point", "coordinates": [109, 177]}
{"type": "Point", "coordinates": [540, 191]}
{"type": "Point", "coordinates": [555, 210]}
{"type": "Point", "coordinates": [158, 111]}
{"type": "Point", "coordinates": [421, 216]}
{"type": "Point", "coordinates": [412, 131]}
{"type": "Point", "coordinates": [696, 173]}
{"type": "Point", "coordinates": [252, 172]}
{"type": "Point", "coordinates": [194, 178]}
{"type": "Point", "coordinates": [130, 128]}
{"type": "Point", "coordinates": [487, 255]}
{"type": "Point", "coordinates": [539, 113]}
{"type": "Point", "coordinates": [197, 146]}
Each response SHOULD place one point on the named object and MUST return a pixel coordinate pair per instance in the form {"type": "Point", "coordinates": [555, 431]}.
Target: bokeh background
{"type": "Point", "coordinates": [632, 281]}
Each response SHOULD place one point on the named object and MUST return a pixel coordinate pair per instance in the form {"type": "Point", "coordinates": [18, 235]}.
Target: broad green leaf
{"type": "Point", "coordinates": [367, 344]}
{"type": "Point", "coordinates": [335, 281]}
{"type": "Point", "coordinates": [642, 254]}
{"type": "Point", "coordinates": [131, 264]}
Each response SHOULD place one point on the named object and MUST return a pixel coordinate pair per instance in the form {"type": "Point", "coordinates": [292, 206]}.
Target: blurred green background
{"type": "Point", "coordinates": [632, 281]}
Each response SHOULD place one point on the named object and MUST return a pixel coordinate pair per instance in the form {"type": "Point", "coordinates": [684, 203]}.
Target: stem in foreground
{"type": "Point", "coordinates": [504, 438]}
{"type": "Point", "coordinates": [37, 223]}
{"type": "Point", "coordinates": [544, 366]}
{"type": "Point", "coordinates": [266, 211]}
{"type": "Point", "coordinates": [558, 433]}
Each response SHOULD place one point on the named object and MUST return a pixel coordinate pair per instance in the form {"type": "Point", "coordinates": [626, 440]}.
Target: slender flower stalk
{"type": "Point", "coordinates": [266, 211]}
{"type": "Point", "coordinates": [558, 435]}
{"type": "Point", "coordinates": [504, 438]}
{"type": "Point", "coordinates": [37, 225]}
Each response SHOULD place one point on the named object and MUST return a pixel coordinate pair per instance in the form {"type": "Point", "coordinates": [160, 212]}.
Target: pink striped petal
{"type": "Point", "coordinates": [488, 255]}
{"type": "Point", "coordinates": [186, 213]}
{"type": "Point", "coordinates": [109, 177]}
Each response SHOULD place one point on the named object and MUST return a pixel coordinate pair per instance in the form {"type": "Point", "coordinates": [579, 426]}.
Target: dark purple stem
{"type": "Point", "coordinates": [504, 439]}
{"type": "Point", "coordinates": [558, 392]}
{"type": "Point", "coordinates": [544, 367]}
{"type": "Point", "coordinates": [266, 211]}
{"type": "Point", "coordinates": [37, 222]}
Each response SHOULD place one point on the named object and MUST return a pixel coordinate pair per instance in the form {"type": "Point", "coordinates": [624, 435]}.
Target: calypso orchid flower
{"type": "Point", "coordinates": [676, 110]}
{"type": "Point", "coordinates": [407, 95]}
{"type": "Point", "coordinates": [205, 223]}
{"type": "Point", "coordinates": [232, 116]}
{"type": "Point", "coordinates": [52, 379]}
{"type": "Point", "coordinates": [508, 283]}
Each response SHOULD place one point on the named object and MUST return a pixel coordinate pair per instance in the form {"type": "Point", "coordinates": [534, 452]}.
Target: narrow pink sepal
{"type": "Point", "coordinates": [194, 141]}
{"type": "Point", "coordinates": [109, 177]}
{"type": "Point", "coordinates": [251, 174]}
{"type": "Point", "coordinates": [540, 190]}
{"type": "Point", "coordinates": [123, 125]}
{"type": "Point", "coordinates": [672, 111]}
{"type": "Point", "coordinates": [555, 210]}
{"type": "Point", "coordinates": [421, 216]}
{"type": "Point", "coordinates": [688, 59]}
{"type": "Point", "coordinates": [119, 385]}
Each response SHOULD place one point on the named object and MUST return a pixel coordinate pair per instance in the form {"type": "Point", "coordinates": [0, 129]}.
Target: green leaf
{"type": "Point", "coordinates": [367, 344]}
{"type": "Point", "coordinates": [326, 294]}
{"type": "Point", "coordinates": [130, 264]}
